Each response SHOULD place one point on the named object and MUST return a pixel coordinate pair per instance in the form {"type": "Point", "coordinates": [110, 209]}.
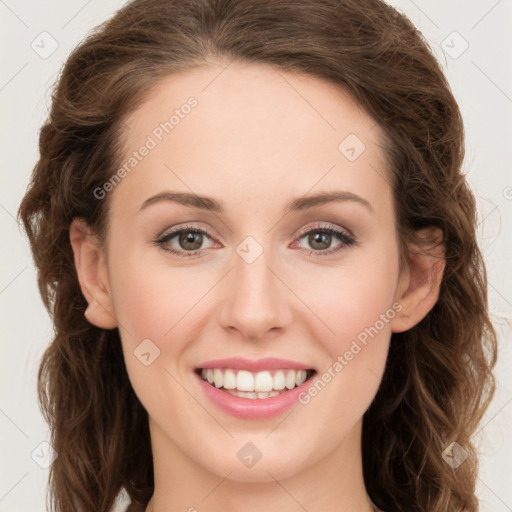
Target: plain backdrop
{"type": "Point", "coordinates": [472, 40]}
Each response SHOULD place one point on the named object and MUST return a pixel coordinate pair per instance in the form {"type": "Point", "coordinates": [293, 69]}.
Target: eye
{"type": "Point", "coordinates": [189, 241]}
{"type": "Point", "coordinates": [321, 237]}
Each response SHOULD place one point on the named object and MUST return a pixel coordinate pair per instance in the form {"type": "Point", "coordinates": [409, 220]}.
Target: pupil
{"type": "Point", "coordinates": [188, 238]}
{"type": "Point", "coordinates": [317, 237]}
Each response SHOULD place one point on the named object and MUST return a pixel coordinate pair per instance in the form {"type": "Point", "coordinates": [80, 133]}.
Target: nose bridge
{"type": "Point", "coordinates": [256, 299]}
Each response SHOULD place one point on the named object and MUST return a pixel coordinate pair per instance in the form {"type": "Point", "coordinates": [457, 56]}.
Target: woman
{"type": "Point", "coordinates": [324, 342]}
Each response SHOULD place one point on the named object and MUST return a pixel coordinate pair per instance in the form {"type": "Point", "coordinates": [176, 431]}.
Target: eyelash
{"type": "Point", "coordinates": [346, 237]}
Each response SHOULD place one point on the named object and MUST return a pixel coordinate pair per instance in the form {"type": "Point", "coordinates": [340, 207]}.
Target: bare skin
{"type": "Point", "coordinates": [256, 140]}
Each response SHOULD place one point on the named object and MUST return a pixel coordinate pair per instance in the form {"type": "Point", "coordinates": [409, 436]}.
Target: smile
{"type": "Point", "coordinates": [253, 389]}
{"type": "Point", "coordinates": [254, 385]}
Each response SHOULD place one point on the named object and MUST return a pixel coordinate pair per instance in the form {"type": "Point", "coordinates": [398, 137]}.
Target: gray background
{"type": "Point", "coordinates": [480, 76]}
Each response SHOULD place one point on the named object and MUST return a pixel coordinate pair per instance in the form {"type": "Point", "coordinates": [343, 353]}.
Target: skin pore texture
{"type": "Point", "coordinates": [257, 139]}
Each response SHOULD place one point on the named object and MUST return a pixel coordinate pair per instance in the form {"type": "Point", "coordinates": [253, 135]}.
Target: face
{"type": "Point", "coordinates": [272, 289]}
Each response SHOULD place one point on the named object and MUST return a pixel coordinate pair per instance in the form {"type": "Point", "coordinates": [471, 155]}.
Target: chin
{"type": "Point", "coordinates": [258, 461]}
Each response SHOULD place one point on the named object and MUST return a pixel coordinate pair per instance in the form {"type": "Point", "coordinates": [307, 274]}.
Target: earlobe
{"type": "Point", "coordinates": [419, 287]}
{"type": "Point", "coordinates": [92, 275]}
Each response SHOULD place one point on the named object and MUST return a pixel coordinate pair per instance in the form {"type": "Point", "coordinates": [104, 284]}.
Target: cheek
{"type": "Point", "coordinates": [154, 305]}
{"type": "Point", "coordinates": [164, 304]}
{"type": "Point", "coordinates": [151, 297]}
{"type": "Point", "coordinates": [353, 299]}
{"type": "Point", "coordinates": [356, 304]}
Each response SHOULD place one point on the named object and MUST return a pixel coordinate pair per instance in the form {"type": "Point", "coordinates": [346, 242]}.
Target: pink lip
{"type": "Point", "coordinates": [268, 363]}
{"type": "Point", "coordinates": [247, 408]}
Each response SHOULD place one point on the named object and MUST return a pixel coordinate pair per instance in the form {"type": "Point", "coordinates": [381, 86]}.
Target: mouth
{"type": "Point", "coordinates": [255, 385]}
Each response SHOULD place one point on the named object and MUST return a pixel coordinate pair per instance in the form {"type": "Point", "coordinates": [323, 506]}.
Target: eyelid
{"type": "Point", "coordinates": [178, 229]}
{"type": "Point", "coordinates": [185, 227]}
{"type": "Point", "coordinates": [325, 225]}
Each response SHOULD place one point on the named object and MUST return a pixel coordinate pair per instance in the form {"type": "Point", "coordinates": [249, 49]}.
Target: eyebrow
{"type": "Point", "coordinates": [297, 204]}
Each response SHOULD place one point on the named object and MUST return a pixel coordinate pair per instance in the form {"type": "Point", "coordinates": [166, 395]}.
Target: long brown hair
{"type": "Point", "coordinates": [438, 381]}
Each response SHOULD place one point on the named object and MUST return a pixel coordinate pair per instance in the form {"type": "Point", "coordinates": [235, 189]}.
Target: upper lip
{"type": "Point", "coordinates": [255, 365]}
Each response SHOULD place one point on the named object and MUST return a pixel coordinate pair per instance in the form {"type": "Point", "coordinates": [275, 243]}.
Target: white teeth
{"type": "Point", "coordinates": [290, 380]}
{"type": "Point", "coordinates": [254, 385]}
{"type": "Point", "coordinates": [244, 381]}
{"type": "Point", "coordinates": [299, 378]}
{"type": "Point", "coordinates": [279, 380]}
{"type": "Point", "coordinates": [218, 378]}
{"type": "Point", "coordinates": [229, 379]}
{"type": "Point", "coordinates": [263, 382]}
{"type": "Point", "coordinates": [252, 395]}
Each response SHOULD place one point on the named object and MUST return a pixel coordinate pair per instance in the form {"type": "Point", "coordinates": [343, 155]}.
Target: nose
{"type": "Point", "coordinates": [256, 298]}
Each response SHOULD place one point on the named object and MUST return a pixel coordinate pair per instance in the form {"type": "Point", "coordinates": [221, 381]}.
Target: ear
{"type": "Point", "coordinates": [91, 268]}
{"type": "Point", "coordinates": [418, 288]}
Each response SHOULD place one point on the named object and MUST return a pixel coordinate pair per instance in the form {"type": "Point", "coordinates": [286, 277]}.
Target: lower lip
{"type": "Point", "coordinates": [257, 408]}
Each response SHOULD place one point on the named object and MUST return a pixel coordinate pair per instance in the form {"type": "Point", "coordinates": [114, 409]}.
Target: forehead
{"type": "Point", "coordinates": [251, 128]}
